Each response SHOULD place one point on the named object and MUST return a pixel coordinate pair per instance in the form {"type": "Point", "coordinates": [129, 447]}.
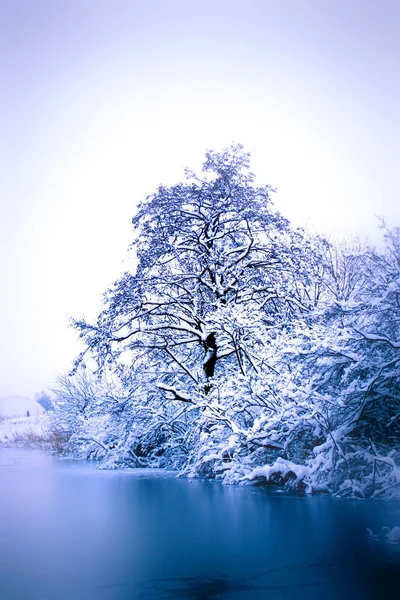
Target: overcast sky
{"type": "Point", "coordinates": [100, 101]}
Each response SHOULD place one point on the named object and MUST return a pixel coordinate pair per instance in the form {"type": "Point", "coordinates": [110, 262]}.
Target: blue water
{"type": "Point", "coordinates": [71, 532]}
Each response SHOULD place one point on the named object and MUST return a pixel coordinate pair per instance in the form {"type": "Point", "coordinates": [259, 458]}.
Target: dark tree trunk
{"type": "Point", "coordinates": [210, 346]}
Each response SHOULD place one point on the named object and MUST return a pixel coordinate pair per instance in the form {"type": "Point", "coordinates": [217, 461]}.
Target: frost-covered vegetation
{"type": "Point", "coordinates": [242, 348]}
{"type": "Point", "coordinates": [35, 431]}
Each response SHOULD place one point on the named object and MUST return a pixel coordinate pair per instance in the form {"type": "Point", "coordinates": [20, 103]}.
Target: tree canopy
{"type": "Point", "coordinates": [245, 348]}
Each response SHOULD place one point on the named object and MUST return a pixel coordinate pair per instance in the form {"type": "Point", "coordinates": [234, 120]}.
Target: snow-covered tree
{"type": "Point", "coordinates": [84, 414]}
{"type": "Point", "coordinates": [339, 427]}
{"type": "Point", "coordinates": [219, 273]}
{"type": "Point", "coordinates": [244, 348]}
{"type": "Point", "coordinates": [44, 399]}
{"type": "Point", "coordinates": [359, 367]}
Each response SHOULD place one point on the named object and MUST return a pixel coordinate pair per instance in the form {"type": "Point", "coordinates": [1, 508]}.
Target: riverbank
{"type": "Point", "coordinates": [30, 432]}
{"type": "Point", "coordinates": [40, 433]}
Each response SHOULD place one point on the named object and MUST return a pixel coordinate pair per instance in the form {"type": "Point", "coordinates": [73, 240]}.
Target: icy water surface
{"type": "Point", "coordinates": [71, 532]}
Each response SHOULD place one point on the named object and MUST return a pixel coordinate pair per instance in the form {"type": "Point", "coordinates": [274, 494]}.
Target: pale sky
{"type": "Point", "coordinates": [100, 101]}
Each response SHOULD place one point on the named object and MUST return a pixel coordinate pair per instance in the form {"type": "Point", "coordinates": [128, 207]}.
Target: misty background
{"type": "Point", "coordinates": [100, 102]}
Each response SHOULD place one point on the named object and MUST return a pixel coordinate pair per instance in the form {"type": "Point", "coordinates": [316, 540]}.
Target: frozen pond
{"type": "Point", "coordinates": [71, 532]}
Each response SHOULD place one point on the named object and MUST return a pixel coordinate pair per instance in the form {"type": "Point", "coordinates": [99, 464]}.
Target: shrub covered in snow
{"type": "Point", "coordinates": [33, 431]}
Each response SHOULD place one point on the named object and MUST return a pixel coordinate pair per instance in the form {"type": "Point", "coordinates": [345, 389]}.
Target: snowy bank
{"type": "Point", "coordinates": [36, 431]}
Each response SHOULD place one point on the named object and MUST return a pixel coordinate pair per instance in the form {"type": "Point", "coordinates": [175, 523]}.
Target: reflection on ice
{"type": "Point", "coordinates": [71, 532]}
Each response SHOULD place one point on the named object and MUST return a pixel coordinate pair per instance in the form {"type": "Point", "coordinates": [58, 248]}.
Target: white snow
{"type": "Point", "coordinates": [24, 429]}
{"type": "Point", "coordinates": [18, 406]}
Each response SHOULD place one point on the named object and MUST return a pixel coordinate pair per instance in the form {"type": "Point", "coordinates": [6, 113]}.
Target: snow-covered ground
{"type": "Point", "coordinates": [25, 430]}
{"type": "Point", "coordinates": [19, 406]}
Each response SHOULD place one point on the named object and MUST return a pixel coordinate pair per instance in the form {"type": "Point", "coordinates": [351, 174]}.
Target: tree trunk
{"type": "Point", "coordinates": [210, 346]}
